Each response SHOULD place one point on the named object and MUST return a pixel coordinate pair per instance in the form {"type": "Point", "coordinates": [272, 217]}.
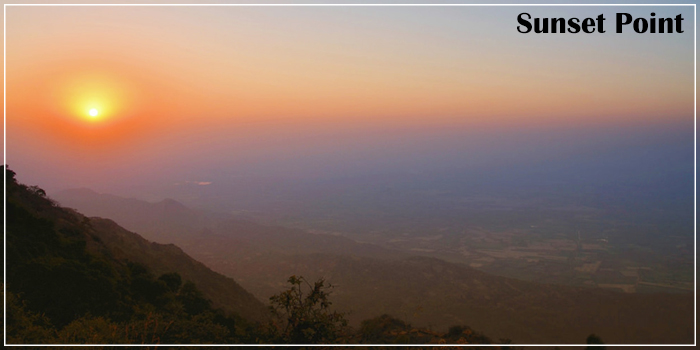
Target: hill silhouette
{"type": "Point", "coordinates": [223, 291]}
{"type": "Point", "coordinates": [76, 279]}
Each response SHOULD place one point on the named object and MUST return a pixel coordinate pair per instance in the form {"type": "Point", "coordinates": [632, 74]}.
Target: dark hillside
{"type": "Point", "coordinates": [74, 279]}
{"type": "Point", "coordinates": [224, 292]}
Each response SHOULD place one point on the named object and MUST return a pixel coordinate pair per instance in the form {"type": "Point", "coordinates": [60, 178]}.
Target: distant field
{"type": "Point", "coordinates": [598, 244]}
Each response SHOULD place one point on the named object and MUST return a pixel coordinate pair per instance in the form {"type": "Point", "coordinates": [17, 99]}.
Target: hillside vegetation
{"type": "Point", "coordinates": [71, 279]}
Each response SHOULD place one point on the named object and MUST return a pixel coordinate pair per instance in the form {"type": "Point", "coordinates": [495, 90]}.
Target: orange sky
{"type": "Point", "coordinates": [154, 72]}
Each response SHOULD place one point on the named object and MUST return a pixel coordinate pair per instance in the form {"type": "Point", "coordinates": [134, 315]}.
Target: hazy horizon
{"type": "Point", "coordinates": [244, 108]}
{"type": "Point", "coordinates": [206, 94]}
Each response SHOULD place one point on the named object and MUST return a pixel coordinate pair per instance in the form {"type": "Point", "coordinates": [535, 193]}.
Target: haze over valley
{"type": "Point", "coordinates": [407, 245]}
{"type": "Point", "coordinates": [618, 219]}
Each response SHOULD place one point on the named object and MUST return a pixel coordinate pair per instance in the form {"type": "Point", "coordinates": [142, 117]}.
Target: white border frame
{"type": "Point", "coordinates": [346, 5]}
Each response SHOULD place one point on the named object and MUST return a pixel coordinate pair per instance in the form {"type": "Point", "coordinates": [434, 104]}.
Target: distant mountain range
{"type": "Point", "coordinates": [158, 222]}
{"type": "Point", "coordinates": [372, 280]}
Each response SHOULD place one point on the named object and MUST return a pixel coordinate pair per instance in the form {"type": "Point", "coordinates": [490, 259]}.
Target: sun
{"type": "Point", "coordinates": [93, 112]}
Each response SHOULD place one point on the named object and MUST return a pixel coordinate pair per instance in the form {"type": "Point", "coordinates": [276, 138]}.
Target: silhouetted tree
{"type": "Point", "coordinates": [303, 314]}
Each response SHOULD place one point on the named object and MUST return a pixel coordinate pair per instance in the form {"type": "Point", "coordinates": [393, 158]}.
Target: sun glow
{"type": "Point", "coordinates": [94, 97]}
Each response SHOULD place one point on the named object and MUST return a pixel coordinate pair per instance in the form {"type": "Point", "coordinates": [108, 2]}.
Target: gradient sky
{"type": "Point", "coordinates": [206, 85]}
